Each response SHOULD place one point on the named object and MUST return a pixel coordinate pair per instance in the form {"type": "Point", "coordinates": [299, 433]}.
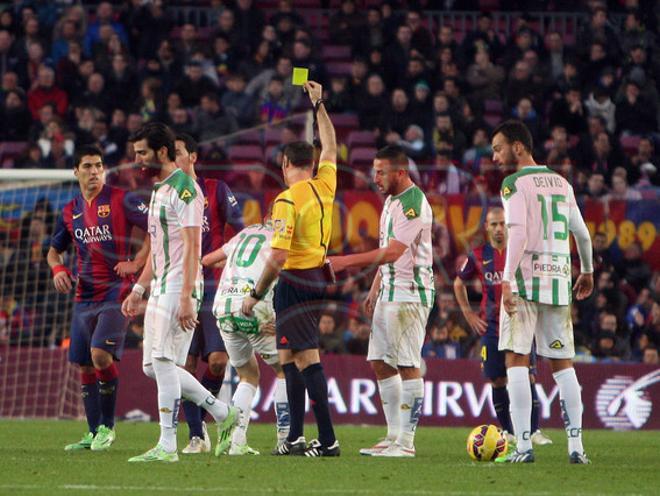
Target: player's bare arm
{"type": "Point", "coordinates": [131, 306]}
{"type": "Point", "coordinates": [390, 254]}
{"type": "Point", "coordinates": [130, 267]}
{"type": "Point", "coordinates": [477, 324]}
{"type": "Point", "coordinates": [272, 269]}
{"type": "Point", "coordinates": [326, 129]}
{"type": "Point", "coordinates": [61, 275]}
{"type": "Point", "coordinates": [372, 297]}
{"type": "Point", "coordinates": [191, 248]}
{"type": "Point", "coordinates": [214, 259]}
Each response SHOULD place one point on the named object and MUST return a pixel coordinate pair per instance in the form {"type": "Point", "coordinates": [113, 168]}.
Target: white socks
{"type": "Point", "coordinates": [243, 398]}
{"type": "Point", "coordinates": [390, 395]}
{"type": "Point", "coordinates": [571, 407]}
{"type": "Point", "coordinates": [192, 390]}
{"type": "Point", "coordinates": [412, 398]}
{"type": "Point", "coordinates": [281, 406]}
{"type": "Point", "coordinates": [169, 392]}
{"type": "Point", "coordinates": [520, 399]}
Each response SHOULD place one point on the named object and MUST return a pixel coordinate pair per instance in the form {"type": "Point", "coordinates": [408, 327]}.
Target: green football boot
{"type": "Point", "coordinates": [83, 444]}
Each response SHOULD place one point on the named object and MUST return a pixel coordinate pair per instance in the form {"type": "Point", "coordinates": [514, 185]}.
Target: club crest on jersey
{"type": "Point", "coordinates": [103, 210]}
{"type": "Point", "coordinates": [410, 213]}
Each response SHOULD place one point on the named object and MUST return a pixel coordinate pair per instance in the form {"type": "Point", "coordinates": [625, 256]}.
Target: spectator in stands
{"type": "Point", "coordinates": [258, 86]}
{"type": "Point", "coordinates": [396, 55]}
{"type": "Point", "coordinates": [357, 80]}
{"type": "Point", "coordinates": [422, 39]}
{"type": "Point", "coordinates": [302, 57]}
{"type": "Point", "coordinates": [421, 106]}
{"type": "Point", "coordinates": [194, 84]}
{"type": "Point", "coordinates": [358, 344]}
{"type": "Point", "coordinates": [604, 156]}
{"type": "Point", "coordinates": [210, 121]}
{"type": "Point", "coordinates": [45, 91]}
{"type": "Point", "coordinates": [598, 29]}
{"type": "Point", "coordinates": [596, 185]}
{"type": "Point", "coordinates": [346, 24]}
{"type": "Point", "coordinates": [484, 34]}
{"type": "Point", "coordinates": [525, 111]}
{"type": "Point", "coordinates": [250, 22]}
{"type": "Point", "coordinates": [569, 112]}
{"type": "Point", "coordinates": [288, 135]}
{"type": "Point", "coordinates": [608, 330]}
{"type": "Point", "coordinates": [633, 268]}
{"type": "Point", "coordinates": [602, 257]}
{"type": "Point", "coordinates": [57, 145]}
{"type": "Point", "coordinates": [237, 102]}
{"type": "Point", "coordinates": [620, 189]}
{"type": "Point", "coordinates": [645, 152]}
{"type": "Point", "coordinates": [484, 77]}
{"type": "Point", "coordinates": [121, 83]}
{"type": "Point", "coordinates": [330, 338]}
{"type": "Point", "coordinates": [65, 32]}
{"type": "Point", "coordinates": [635, 114]}
{"type": "Point", "coordinates": [371, 103]}
{"type": "Point", "coordinates": [104, 17]}
{"type": "Point", "coordinates": [414, 145]}
{"type": "Point", "coordinates": [651, 356]}
{"type": "Point", "coordinates": [9, 60]}
{"type": "Point", "coordinates": [285, 11]}
{"type": "Point", "coordinates": [447, 137]}
{"type": "Point", "coordinates": [8, 83]}
{"type": "Point", "coordinates": [372, 34]}
{"type": "Point", "coordinates": [445, 177]}
{"type": "Point", "coordinates": [150, 25]}
{"type": "Point", "coordinates": [556, 55]}
{"type": "Point", "coordinates": [480, 148]}
{"type": "Point", "coordinates": [440, 346]}
{"type": "Point", "coordinates": [30, 158]}
{"type": "Point", "coordinates": [274, 106]}
{"type": "Point", "coordinates": [396, 117]}
{"type": "Point", "coordinates": [96, 95]}
{"type": "Point", "coordinates": [600, 104]}
{"type": "Point", "coordinates": [15, 118]}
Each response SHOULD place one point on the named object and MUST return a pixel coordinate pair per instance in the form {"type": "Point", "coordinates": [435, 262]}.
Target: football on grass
{"type": "Point", "coordinates": [485, 443]}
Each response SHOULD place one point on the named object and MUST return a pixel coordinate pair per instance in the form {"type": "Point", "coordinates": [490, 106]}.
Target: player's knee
{"type": "Point", "coordinates": [101, 359]}
{"type": "Point", "coordinates": [217, 361]}
{"type": "Point", "coordinates": [382, 370]}
{"type": "Point", "coordinates": [148, 370]}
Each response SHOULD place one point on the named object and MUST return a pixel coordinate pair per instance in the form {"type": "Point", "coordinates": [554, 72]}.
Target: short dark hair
{"type": "Point", "coordinates": [300, 154]}
{"type": "Point", "coordinates": [158, 135]}
{"type": "Point", "coordinates": [84, 150]}
{"type": "Point", "coordinates": [395, 155]}
{"type": "Point", "coordinates": [188, 141]}
{"type": "Point", "coordinates": [514, 130]}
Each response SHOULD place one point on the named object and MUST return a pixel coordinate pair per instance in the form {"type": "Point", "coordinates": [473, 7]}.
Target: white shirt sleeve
{"type": "Point", "coordinates": [406, 229]}
{"type": "Point", "coordinates": [581, 234]}
{"type": "Point", "coordinates": [189, 214]}
{"type": "Point", "coordinates": [515, 216]}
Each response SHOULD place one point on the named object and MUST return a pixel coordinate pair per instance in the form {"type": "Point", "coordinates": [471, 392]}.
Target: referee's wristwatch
{"type": "Point", "coordinates": [255, 295]}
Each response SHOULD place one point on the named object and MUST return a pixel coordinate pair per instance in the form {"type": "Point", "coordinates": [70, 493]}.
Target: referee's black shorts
{"type": "Point", "coordinates": [298, 301]}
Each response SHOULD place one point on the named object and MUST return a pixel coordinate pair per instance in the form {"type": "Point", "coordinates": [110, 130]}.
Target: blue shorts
{"type": "Point", "coordinates": [206, 339]}
{"type": "Point", "coordinates": [493, 361]}
{"type": "Point", "coordinates": [298, 302]}
{"type": "Point", "coordinates": [96, 325]}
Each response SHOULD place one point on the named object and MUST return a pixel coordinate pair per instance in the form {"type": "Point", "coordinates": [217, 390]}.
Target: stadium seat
{"type": "Point", "coordinates": [336, 52]}
{"type": "Point", "coordinates": [339, 68]}
{"type": "Point", "coordinates": [345, 120]}
{"type": "Point", "coordinates": [493, 106]}
{"type": "Point", "coordinates": [361, 156]}
{"type": "Point", "coordinates": [253, 137]}
{"type": "Point", "coordinates": [246, 153]}
{"type": "Point", "coordinates": [11, 149]}
{"type": "Point", "coordinates": [360, 139]}
{"type": "Point", "coordinates": [630, 144]}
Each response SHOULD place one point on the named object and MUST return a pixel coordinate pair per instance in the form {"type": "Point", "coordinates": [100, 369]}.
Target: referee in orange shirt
{"type": "Point", "coordinates": [302, 218]}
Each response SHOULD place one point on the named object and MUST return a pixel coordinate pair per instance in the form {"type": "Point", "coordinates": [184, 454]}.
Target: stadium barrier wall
{"type": "Point", "coordinates": [616, 396]}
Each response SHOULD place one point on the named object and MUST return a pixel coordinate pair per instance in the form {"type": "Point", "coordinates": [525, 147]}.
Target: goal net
{"type": "Point", "coordinates": [36, 379]}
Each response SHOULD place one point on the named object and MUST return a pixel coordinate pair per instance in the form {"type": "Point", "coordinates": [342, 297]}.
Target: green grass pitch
{"type": "Point", "coordinates": [32, 461]}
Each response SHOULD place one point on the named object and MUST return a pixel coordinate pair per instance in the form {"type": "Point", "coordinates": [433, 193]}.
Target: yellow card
{"type": "Point", "coordinates": [299, 76]}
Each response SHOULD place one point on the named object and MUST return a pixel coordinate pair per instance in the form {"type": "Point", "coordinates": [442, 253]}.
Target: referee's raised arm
{"type": "Point", "coordinates": [326, 129]}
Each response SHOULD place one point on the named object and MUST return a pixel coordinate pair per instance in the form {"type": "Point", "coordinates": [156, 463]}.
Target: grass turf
{"type": "Point", "coordinates": [32, 461]}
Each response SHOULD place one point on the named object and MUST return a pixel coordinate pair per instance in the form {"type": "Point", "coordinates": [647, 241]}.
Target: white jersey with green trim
{"type": "Point", "coordinates": [176, 202]}
{"type": "Point", "coordinates": [408, 218]}
{"type": "Point", "coordinates": [247, 254]}
{"type": "Point", "coordinates": [542, 204]}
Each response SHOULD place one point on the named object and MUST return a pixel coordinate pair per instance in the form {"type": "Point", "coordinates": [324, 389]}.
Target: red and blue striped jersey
{"type": "Point", "coordinates": [220, 208]}
{"type": "Point", "coordinates": [487, 264]}
{"type": "Point", "coordinates": [100, 231]}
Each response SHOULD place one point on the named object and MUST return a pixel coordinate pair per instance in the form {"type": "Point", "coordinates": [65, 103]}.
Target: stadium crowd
{"type": "Point", "coordinates": [71, 75]}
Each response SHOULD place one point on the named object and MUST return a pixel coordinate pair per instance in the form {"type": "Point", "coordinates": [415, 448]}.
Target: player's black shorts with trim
{"type": "Point", "coordinates": [298, 301]}
{"type": "Point", "coordinates": [493, 361]}
{"type": "Point", "coordinates": [96, 324]}
{"type": "Point", "coordinates": [207, 338]}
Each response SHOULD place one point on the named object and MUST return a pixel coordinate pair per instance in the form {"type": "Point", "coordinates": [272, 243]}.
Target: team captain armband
{"type": "Point", "coordinates": [61, 268]}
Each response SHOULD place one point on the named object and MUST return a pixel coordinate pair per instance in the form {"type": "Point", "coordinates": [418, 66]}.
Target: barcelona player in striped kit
{"type": "Point", "coordinates": [98, 222]}
{"type": "Point", "coordinates": [220, 208]}
{"type": "Point", "coordinates": [486, 263]}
